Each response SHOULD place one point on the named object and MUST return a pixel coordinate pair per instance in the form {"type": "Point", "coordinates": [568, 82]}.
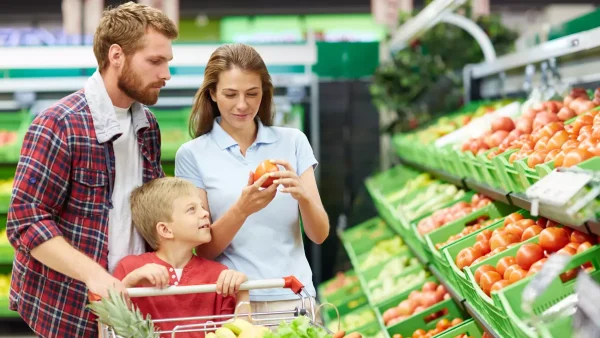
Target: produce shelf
{"type": "Point", "coordinates": [453, 293]}
{"type": "Point", "coordinates": [493, 193]}
{"type": "Point", "coordinates": [519, 200]}
{"type": "Point", "coordinates": [444, 176]}
{"type": "Point", "coordinates": [477, 317]}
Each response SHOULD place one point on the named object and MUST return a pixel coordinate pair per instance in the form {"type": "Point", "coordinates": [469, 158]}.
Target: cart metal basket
{"type": "Point", "coordinates": [211, 323]}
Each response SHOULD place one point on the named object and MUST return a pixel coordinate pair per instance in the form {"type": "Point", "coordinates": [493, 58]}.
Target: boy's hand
{"type": "Point", "coordinates": [155, 274]}
{"type": "Point", "coordinates": [229, 282]}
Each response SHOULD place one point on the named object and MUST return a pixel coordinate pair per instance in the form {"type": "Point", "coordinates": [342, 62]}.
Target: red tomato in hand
{"type": "Point", "coordinates": [263, 168]}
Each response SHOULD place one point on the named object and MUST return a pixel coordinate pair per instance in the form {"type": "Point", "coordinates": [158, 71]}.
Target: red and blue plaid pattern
{"type": "Point", "coordinates": [62, 188]}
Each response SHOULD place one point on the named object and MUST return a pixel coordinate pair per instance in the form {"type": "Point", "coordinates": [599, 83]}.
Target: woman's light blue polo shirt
{"type": "Point", "coordinates": [269, 244]}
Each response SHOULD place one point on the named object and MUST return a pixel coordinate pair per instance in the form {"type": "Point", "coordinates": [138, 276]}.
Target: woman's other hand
{"type": "Point", "coordinates": [289, 179]}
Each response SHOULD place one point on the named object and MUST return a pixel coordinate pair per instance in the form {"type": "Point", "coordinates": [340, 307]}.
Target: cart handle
{"type": "Point", "coordinates": [290, 282]}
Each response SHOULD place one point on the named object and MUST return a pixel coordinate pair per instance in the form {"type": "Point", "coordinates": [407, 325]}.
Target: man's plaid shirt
{"type": "Point", "coordinates": [63, 187]}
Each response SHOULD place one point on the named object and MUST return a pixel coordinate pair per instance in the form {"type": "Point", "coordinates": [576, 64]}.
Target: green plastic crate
{"type": "Point", "coordinates": [508, 174]}
{"type": "Point", "coordinates": [468, 327]}
{"type": "Point", "coordinates": [476, 166]}
{"type": "Point", "coordinates": [451, 251]}
{"type": "Point", "coordinates": [492, 312]}
{"type": "Point", "coordinates": [509, 299]}
{"type": "Point", "coordinates": [412, 270]}
{"type": "Point", "coordinates": [361, 238]}
{"type": "Point", "coordinates": [417, 321]}
{"type": "Point", "coordinates": [492, 211]}
{"type": "Point", "coordinates": [369, 328]}
{"type": "Point", "coordinates": [341, 293]}
{"type": "Point", "coordinates": [421, 238]}
{"type": "Point", "coordinates": [489, 170]}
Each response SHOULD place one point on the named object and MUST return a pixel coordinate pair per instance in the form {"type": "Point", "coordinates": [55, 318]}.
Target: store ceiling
{"type": "Point", "coordinates": [50, 8]}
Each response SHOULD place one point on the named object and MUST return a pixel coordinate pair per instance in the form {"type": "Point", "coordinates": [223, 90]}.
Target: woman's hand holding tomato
{"type": "Point", "coordinates": [253, 198]}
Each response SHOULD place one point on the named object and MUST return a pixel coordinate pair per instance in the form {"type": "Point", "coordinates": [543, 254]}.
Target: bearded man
{"type": "Point", "coordinates": [69, 218]}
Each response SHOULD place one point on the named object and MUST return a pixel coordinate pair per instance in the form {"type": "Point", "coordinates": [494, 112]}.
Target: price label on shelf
{"type": "Point", "coordinates": [558, 187]}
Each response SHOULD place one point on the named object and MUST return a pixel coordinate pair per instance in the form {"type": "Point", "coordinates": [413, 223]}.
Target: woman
{"type": "Point", "coordinates": [255, 231]}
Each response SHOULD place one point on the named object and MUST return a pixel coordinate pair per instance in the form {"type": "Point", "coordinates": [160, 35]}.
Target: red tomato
{"type": "Point", "coordinates": [443, 324]}
{"type": "Point", "coordinates": [510, 270]}
{"type": "Point", "coordinates": [580, 237]}
{"type": "Point", "coordinates": [514, 229]}
{"type": "Point", "coordinates": [518, 274]}
{"type": "Point", "coordinates": [488, 279]}
{"type": "Point", "coordinates": [263, 168]}
{"type": "Point", "coordinates": [429, 286]}
{"type": "Point", "coordinates": [512, 218]}
{"type": "Point", "coordinates": [503, 240]}
{"type": "Point", "coordinates": [484, 235]}
{"type": "Point", "coordinates": [536, 267]}
{"type": "Point", "coordinates": [557, 140]}
{"type": "Point", "coordinates": [530, 232]}
{"type": "Point", "coordinates": [525, 223]}
{"type": "Point", "coordinates": [569, 275]}
{"type": "Point", "coordinates": [551, 155]}
{"type": "Point", "coordinates": [499, 285]}
{"type": "Point", "coordinates": [528, 254]}
{"type": "Point", "coordinates": [456, 321]}
{"type": "Point", "coordinates": [576, 156]}
{"type": "Point", "coordinates": [583, 247]}
{"type": "Point", "coordinates": [419, 333]}
{"type": "Point", "coordinates": [466, 257]}
{"type": "Point", "coordinates": [504, 263]}
{"type": "Point", "coordinates": [482, 247]}
{"type": "Point", "coordinates": [481, 270]}
{"type": "Point", "coordinates": [553, 239]}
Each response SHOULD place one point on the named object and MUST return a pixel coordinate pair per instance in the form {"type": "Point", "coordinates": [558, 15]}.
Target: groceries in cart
{"type": "Point", "coordinates": [119, 318]}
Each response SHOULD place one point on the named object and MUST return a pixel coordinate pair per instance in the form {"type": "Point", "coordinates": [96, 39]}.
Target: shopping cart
{"type": "Point", "coordinates": [212, 323]}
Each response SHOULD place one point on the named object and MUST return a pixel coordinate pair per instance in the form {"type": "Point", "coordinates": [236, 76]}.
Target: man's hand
{"type": "Point", "coordinates": [100, 284]}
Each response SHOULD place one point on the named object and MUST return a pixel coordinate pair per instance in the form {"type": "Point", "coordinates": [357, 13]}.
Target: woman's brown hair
{"type": "Point", "coordinates": [224, 58]}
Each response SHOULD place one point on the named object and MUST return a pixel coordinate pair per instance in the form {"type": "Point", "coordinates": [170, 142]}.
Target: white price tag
{"type": "Point", "coordinates": [558, 187]}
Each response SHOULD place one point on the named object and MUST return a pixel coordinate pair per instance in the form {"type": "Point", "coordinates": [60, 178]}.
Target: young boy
{"type": "Point", "coordinates": [170, 216]}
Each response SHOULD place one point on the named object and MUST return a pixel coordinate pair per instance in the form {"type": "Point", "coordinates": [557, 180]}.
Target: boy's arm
{"type": "Point", "coordinates": [155, 274]}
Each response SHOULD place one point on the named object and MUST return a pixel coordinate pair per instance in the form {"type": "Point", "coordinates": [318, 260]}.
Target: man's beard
{"type": "Point", "coordinates": [131, 84]}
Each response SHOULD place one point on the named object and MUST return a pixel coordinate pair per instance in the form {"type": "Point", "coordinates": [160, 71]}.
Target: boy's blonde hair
{"type": "Point", "coordinates": [126, 26]}
{"type": "Point", "coordinates": [152, 203]}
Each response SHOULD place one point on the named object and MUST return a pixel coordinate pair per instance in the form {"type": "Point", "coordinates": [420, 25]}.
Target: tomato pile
{"type": "Point", "coordinates": [515, 229]}
{"type": "Point", "coordinates": [441, 326]}
{"type": "Point", "coordinates": [541, 136]}
{"type": "Point", "coordinates": [444, 216]}
{"type": "Point", "coordinates": [531, 257]}
{"type": "Point", "coordinates": [431, 293]}
{"type": "Point", "coordinates": [481, 222]}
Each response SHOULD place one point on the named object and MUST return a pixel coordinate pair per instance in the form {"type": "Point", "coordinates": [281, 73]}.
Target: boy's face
{"type": "Point", "coordinates": [191, 223]}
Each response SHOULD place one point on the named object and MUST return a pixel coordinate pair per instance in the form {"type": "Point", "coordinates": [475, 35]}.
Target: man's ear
{"type": "Point", "coordinates": [163, 230]}
{"type": "Point", "coordinates": [116, 56]}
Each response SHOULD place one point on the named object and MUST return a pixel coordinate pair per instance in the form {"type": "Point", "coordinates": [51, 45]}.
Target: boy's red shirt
{"type": "Point", "coordinates": [198, 271]}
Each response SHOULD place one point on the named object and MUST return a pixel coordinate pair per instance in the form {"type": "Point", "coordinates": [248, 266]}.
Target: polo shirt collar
{"type": "Point", "coordinates": [265, 135]}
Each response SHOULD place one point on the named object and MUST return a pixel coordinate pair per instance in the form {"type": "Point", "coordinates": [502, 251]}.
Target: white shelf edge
{"type": "Point", "coordinates": [183, 56]}
{"type": "Point", "coordinates": [67, 84]}
{"type": "Point", "coordinates": [556, 48]}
